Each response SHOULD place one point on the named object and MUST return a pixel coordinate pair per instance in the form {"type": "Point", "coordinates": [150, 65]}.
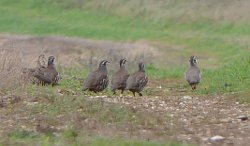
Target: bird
{"type": "Point", "coordinates": [97, 80]}
{"type": "Point", "coordinates": [31, 71]}
{"type": "Point", "coordinates": [118, 81]}
{"type": "Point", "coordinates": [41, 61]}
{"type": "Point", "coordinates": [137, 81]}
{"type": "Point", "coordinates": [193, 74]}
{"type": "Point", "coordinates": [49, 74]}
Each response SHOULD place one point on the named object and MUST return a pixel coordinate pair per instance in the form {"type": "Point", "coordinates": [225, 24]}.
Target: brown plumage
{"type": "Point", "coordinates": [49, 74]}
{"type": "Point", "coordinates": [41, 61]}
{"type": "Point", "coordinates": [193, 74]}
{"type": "Point", "coordinates": [137, 81]}
{"type": "Point", "coordinates": [119, 79]}
{"type": "Point", "coordinates": [31, 71]}
{"type": "Point", "coordinates": [98, 80]}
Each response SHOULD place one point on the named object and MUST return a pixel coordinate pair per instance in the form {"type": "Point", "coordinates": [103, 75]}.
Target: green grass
{"type": "Point", "coordinates": [159, 73]}
{"type": "Point", "coordinates": [121, 142]}
{"type": "Point", "coordinates": [233, 77]}
{"type": "Point", "coordinates": [38, 19]}
{"type": "Point", "coordinates": [22, 137]}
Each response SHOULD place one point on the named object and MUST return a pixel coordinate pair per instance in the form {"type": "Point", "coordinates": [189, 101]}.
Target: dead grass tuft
{"type": "Point", "coordinates": [10, 69]}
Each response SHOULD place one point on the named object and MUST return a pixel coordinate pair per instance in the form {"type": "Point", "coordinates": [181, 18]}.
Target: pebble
{"type": "Point", "coordinates": [227, 120]}
{"type": "Point", "coordinates": [159, 87]}
{"type": "Point", "coordinates": [187, 97]}
{"type": "Point", "coordinates": [243, 118]}
{"type": "Point", "coordinates": [216, 138]}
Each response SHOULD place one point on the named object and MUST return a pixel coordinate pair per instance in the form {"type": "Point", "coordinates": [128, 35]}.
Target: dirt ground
{"type": "Point", "coordinates": [214, 120]}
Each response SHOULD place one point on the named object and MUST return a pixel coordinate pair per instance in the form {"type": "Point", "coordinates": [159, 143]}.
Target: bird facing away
{"type": "Point", "coordinates": [30, 72]}
{"type": "Point", "coordinates": [49, 74]}
{"type": "Point", "coordinates": [193, 74]}
{"type": "Point", "coordinates": [97, 80]}
{"type": "Point", "coordinates": [137, 81]}
{"type": "Point", "coordinates": [120, 77]}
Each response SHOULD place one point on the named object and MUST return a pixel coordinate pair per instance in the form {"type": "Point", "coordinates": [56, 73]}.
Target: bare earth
{"type": "Point", "coordinates": [187, 117]}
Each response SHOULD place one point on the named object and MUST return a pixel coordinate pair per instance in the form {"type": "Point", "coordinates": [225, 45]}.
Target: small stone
{"type": "Point", "coordinates": [243, 118]}
{"type": "Point", "coordinates": [182, 104]}
{"type": "Point", "coordinates": [159, 87]}
{"type": "Point", "coordinates": [187, 97]}
{"type": "Point", "coordinates": [227, 120]}
{"type": "Point", "coordinates": [189, 130]}
{"type": "Point", "coordinates": [216, 138]}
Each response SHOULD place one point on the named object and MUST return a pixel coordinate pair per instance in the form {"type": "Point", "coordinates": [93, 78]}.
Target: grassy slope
{"type": "Point", "coordinates": [227, 39]}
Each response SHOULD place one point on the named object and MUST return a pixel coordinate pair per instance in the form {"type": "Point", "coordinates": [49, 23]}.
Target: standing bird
{"type": "Point", "coordinates": [137, 81]}
{"type": "Point", "coordinates": [29, 72]}
{"type": "Point", "coordinates": [49, 74]}
{"type": "Point", "coordinates": [98, 80]}
{"type": "Point", "coordinates": [193, 74]}
{"type": "Point", "coordinates": [120, 77]}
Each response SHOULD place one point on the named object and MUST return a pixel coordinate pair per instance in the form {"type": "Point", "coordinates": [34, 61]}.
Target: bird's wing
{"type": "Point", "coordinates": [94, 79]}
{"type": "Point", "coordinates": [46, 75]}
{"type": "Point", "coordinates": [130, 81]}
{"type": "Point", "coordinates": [119, 78]}
{"type": "Point", "coordinates": [43, 76]}
{"type": "Point", "coordinates": [138, 79]}
{"type": "Point", "coordinates": [141, 79]}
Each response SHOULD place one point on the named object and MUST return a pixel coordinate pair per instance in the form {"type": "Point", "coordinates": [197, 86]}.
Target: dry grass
{"type": "Point", "coordinates": [11, 65]}
{"type": "Point", "coordinates": [75, 52]}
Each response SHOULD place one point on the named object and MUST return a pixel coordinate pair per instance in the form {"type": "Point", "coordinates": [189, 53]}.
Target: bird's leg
{"type": "Point", "coordinates": [193, 87]}
{"type": "Point", "coordinates": [140, 94]}
{"type": "Point", "coordinates": [134, 94]}
{"type": "Point", "coordinates": [121, 95]}
{"type": "Point", "coordinates": [117, 98]}
{"type": "Point", "coordinates": [114, 93]}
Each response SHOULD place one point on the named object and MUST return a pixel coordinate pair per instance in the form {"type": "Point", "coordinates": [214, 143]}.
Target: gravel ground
{"type": "Point", "coordinates": [201, 120]}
